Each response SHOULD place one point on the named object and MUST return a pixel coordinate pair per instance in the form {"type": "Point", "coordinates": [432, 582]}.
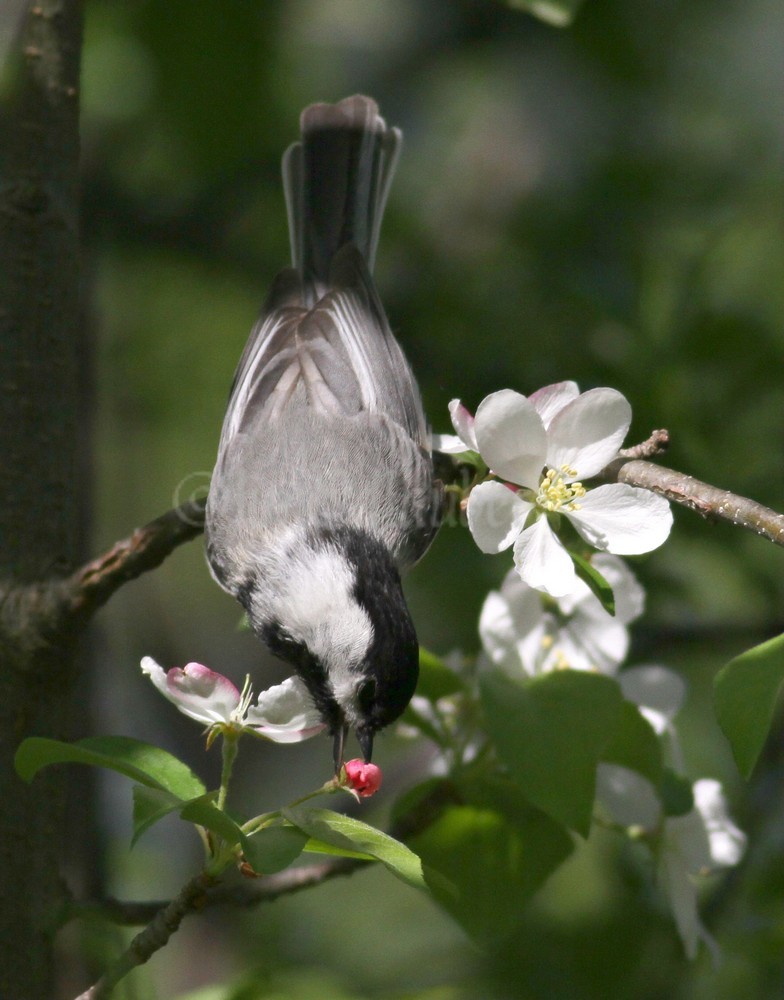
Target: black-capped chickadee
{"type": "Point", "coordinates": [323, 490]}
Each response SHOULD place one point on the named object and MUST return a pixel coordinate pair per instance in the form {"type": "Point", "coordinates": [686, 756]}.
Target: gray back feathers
{"type": "Point", "coordinates": [324, 418]}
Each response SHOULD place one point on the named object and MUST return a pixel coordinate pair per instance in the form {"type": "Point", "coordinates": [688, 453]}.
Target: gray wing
{"type": "Point", "coordinates": [341, 353]}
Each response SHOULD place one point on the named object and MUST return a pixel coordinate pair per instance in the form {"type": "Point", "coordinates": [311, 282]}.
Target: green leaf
{"type": "Point", "coordinates": [436, 679]}
{"type": "Point", "coordinates": [551, 732]}
{"type": "Point", "coordinates": [149, 806]}
{"type": "Point", "coordinates": [268, 850]}
{"type": "Point", "coordinates": [595, 581]}
{"type": "Point", "coordinates": [353, 835]}
{"type": "Point", "coordinates": [558, 13]}
{"type": "Point", "coordinates": [676, 794]}
{"type": "Point", "coordinates": [497, 850]}
{"type": "Point", "coordinates": [314, 846]}
{"type": "Point", "coordinates": [145, 764]}
{"type": "Point", "coordinates": [273, 848]}
{"type": "Point", "coordinates": [467, 457]}
{"type": "Point", "coordinates": [418, 804]}
{"type": "Point", "coordinates": [745, 693]}
{"type": "Point", "coordinates": [204, 812]}
{"type": "Point", "coordinates": [636, 745]}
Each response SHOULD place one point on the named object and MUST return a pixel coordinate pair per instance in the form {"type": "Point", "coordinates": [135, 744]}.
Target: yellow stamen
{"type": "Point", "coordinates": [554, 494]}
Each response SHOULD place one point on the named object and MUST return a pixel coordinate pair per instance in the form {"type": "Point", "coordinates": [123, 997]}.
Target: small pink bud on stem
{"type": "Point", "coordinates": [364, 779]}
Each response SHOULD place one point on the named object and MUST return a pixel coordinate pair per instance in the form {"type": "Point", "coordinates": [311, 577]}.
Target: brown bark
{"type": "Point", "coordinates": [41, 500]}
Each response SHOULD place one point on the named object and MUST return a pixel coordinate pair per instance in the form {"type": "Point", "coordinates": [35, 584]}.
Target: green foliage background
{"type": "Point", "coordinates": [602, 203]}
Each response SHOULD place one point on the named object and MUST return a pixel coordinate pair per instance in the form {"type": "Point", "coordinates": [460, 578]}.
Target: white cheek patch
{"type": "Point", "coordinates": [322, 612]}
{"type": "Point", "coordinates": [318, 587]}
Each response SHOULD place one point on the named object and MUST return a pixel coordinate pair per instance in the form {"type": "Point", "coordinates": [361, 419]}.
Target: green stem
{"type": "Point", "coordinates": [258, 822]}
{"type": "Point", "coordinates": [229, 750]}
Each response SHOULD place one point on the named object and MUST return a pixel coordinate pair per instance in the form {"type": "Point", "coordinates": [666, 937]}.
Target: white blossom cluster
{"type": "Point", "coordinates": [537, 452]}
{"type": "Point", "coordinates": [525, 635]}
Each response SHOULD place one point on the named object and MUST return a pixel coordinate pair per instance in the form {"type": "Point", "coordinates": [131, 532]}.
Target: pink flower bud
{"type": "Point", "coordinates": [364, 778]}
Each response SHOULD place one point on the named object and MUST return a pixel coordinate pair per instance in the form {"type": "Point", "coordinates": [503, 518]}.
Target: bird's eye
{"type": "Point", "coordinates": [366, 693]}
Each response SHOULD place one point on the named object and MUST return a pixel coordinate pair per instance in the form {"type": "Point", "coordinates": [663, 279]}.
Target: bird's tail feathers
{"type": "Point", "coordinates": [336, 181]}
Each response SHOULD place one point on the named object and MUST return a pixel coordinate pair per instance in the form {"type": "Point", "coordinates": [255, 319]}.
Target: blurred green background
{"type": "Point", "coordinates": [601, 203]}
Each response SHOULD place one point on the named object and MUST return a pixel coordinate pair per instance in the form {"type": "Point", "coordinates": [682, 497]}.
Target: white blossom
{"type": "Point", "coordinates": [464, 440]}
{"type": "Point", "coordinates": [688, 847]}
{"type": "Point", "coordinates": [628, 797]}
{"type": "Point", "coordinates": [694, 845]}
{"type": "Point", "coordinates": [542, 447]}
{"type": "Point", "coordinates": [284, 713]}
{"type": "Point", "coordinates": [521, 635]}
{"type": "Point", "coordinates": [659, 693]}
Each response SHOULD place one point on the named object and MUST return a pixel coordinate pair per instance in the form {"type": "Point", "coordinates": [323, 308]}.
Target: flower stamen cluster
{"type": "Point", "coordinates": [246, 699]}
{"type": "Point", "coordinates": [556, 494]}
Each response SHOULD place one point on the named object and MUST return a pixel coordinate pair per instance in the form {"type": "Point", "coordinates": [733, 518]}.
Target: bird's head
{"type": "Point", "coordinates": [338, 615]}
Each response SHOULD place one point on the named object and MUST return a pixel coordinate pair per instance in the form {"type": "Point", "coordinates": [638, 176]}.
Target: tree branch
{"type": "Point", "coordinates": [154, 936]}
{"type": "Point", "coordinates": [46, 614]}
{"type": "Point", "coordinates": [163, 919]}
{"type": "Point", "coordinates": [710, 502]}
{"type": "Point", "coordinates": [93, 584]}
{"type": "Point", "coordinates": [249, 892]}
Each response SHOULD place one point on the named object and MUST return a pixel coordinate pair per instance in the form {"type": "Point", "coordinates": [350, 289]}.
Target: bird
{"type": "Point", "coordinates": [324, 491]}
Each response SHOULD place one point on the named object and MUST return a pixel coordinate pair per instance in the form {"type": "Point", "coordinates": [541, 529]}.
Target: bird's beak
{"type": "Point", "coordinates": [365, 740]}
{"type": "Point", "coordinates": [340, 739]}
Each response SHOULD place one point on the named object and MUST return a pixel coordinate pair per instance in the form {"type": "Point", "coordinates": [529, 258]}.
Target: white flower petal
{"type": "Point", "coordinates": [687, 835]}
{"type": "Point", "coordinates": [463, 423]}
{"type": "Point", "coordinates": [628, 591]}
{"type": "Point", "coordinates": [656, 690]}
{"type": "Point", "coordinates": [542, 562]}
{"type": "Point", "coordinates": [448, 444]}
{"type": "Point", "coordinates": [727, 841]}
{"type": "Point", "coordinates": [693, 844]}
{"type": "Point", "coordinates": [511, 437]}
{"type": "Point", "coordinates": [552, 399]}
{"type": "Point", "coordinates": [198, 692]}
{"type": "Point", "coordinates": [511, 625]}
{"type": "Point", "coordinates": [629, 594]}
{"type": "Point", "coordinates": [593, 643]}
{"type": "Point", "coordinates": [285, 713]}
{"type": "Point", "coordinates": [681, 893]}
{"type": "Point", "coordinates": [586, 433]}
{"type": "Point", "coordinates": [496, 516]}
{"type": "Point", "coordinates": [592, 638]}
{"type": "Point", "coordinates": [156, 673]}
{"type": "Point", "coordinates": [622, 519]}
{"type": "Point", "coordinates": [628, 797]}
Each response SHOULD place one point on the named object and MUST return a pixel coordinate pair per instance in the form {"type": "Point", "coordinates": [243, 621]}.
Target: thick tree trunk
{"type": "Point", "coordinates": [42, 499]}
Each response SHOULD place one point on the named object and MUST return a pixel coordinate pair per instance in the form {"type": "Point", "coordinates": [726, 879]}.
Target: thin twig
{"type": "Point", "coordinates": [710, 502]}
{"type": "Point", "coordinates": [657, 444]}
{"type": "Point", "coordinates": [249, 892]}
{"type": "Point", "coordinates": [154, 936]}
{"type": "Point", "coordinates": [47, 613]}
{"type": "Point", "coordinates": [93, 584]}
{"type": "Point", "coordinates": [80, 595]}
{"type": "Point", "coordinates": [163, 918]}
